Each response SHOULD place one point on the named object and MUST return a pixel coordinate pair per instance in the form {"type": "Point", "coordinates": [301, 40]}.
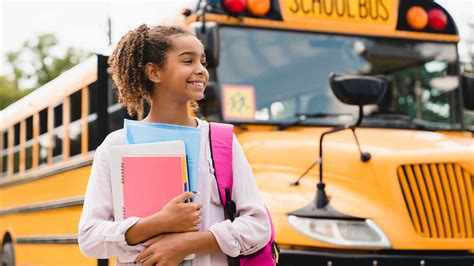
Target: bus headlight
{"type": "Point", "coordinates": [363, 234]}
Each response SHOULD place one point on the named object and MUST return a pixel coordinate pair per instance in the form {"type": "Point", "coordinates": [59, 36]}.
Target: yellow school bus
{"type": "Point", "coordinates": [396, 187]}
{"type": "Point", "coordinates": [369, 89]}
{"type": "Point", "coordinates": [47, 145]}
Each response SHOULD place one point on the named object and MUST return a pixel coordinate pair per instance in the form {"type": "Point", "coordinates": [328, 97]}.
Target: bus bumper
{"type": "Point", "coordinates": [342, 258]}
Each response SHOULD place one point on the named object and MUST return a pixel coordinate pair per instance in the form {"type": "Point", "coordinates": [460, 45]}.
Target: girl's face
{"type": "Point", "coordinates": [184, 77]}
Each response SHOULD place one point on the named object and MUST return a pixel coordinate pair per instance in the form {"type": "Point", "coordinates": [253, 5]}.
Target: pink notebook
{"type": "Point", "coordinates": [151, 182]}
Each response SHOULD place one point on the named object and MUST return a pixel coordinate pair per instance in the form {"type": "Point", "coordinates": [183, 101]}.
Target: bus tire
{"type": "Point", "coordinates": [8, 257]}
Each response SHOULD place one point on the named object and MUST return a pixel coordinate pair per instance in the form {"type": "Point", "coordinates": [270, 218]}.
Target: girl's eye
{"type": "Point", "coordinates": [204, 63]}
{"type": "Point", "coordinates": [189, 61]}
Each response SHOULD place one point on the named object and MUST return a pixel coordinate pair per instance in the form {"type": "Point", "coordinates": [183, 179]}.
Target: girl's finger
{"type": "Point", "coordinates": [152, 261]}
{"type": "Point", "coordinates": [183, 197]}
{"type": "Point", "coordinates": [143, 255]}
{"type": "Point", "coordinates": [148, 263]}
{"type": "Point", "coordinates": [151, 241]}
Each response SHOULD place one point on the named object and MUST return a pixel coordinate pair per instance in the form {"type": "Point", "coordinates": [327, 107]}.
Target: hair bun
{"type": "Point", "coordinates": [142, 29]}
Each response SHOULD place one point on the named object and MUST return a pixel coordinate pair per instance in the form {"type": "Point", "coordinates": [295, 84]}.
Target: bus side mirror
{"type": "Point", "coordinates": [208, 34]}
{"type": "Point", "coordinates": [353, 90]}
{"type": "Point", "coordinates": [211, 93]}
{"type": "Point", "coordinates": [468, 91]}
{"type": "Point", "coordinates": [358, 90]}
{"type": "Point", "coordinates": [209, 103]}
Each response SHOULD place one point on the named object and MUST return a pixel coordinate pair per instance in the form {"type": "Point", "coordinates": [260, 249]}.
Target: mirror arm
{"type": "Point", "coordinates": [361, 116]}
{"type": "Point", "coordinates": [321, 199]}
{"type": "Point", "coordinates": [202, 9]}
{"type": "Point", "coordinates": [364, 156]}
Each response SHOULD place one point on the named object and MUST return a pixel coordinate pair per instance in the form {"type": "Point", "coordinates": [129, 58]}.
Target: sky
{"type": "Point", "coordinates": [83, 23]}
{"type": "Point", "coordinates": [462, 12]}
{"type": "Point", "coordinates": [78, 23]}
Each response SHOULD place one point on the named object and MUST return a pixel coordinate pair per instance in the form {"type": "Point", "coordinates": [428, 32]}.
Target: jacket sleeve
{"type": "Point", "coordinates": [99, 235]}
{"type": "Point", "coordinates": [250, 231]}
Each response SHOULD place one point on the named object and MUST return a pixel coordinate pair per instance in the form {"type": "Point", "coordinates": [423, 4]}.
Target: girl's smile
{"type": "Point", "coordinates": [197, 84]}
{"type": "Point", "coordinates": [184, 77]}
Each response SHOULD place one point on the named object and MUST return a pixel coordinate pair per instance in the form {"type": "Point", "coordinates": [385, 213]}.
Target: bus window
{"type": "Point", "coordinates": [29, 143]}
{"type": "Point", "coordinates": [29, 128]}
{"type": "Point", "coordinates": [469, 119]}
{"type": "Point", "coordinates": [75, 127]}
{"type": "Point", "coordinates": [16, 148]}
{"type": "Point", "coordinates": [58, 133]}
{"type": "Point", "coordinates": [4, 153]}
{"type": "Point", "coordinates": [115, 110]}
{"type": "Point", "coordinates": [44, 141]}
{"type": "Point", "coordinates": [111, 92]}
{"type": "Point", "coordinates": [262, 61]}
{"type": "Point", "coordinates": [209, 106]}
{"type": "Point", "coordinates": [92, 124]}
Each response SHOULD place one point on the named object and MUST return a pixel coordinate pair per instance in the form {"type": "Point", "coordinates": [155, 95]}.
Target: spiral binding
{"type": "Point", "coordinates": [123, 181]}
{"type": "Point", "coordinates": [121, 170]}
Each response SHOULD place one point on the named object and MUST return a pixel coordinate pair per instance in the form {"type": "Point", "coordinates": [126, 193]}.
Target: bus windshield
{"type": "Point", "coordinates": [288, 73]}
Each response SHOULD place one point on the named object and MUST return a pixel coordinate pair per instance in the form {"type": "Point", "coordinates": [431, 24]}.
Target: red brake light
{"type": "Point", "coordinates": [235, 6]}
{"type": "Point", "coordinates": [438, 19]}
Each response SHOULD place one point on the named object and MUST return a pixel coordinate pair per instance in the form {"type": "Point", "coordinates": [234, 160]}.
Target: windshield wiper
{"type": "Point", "coordinates": [301, 117]}
{"type": "Point", "coordinates": [415, 122]}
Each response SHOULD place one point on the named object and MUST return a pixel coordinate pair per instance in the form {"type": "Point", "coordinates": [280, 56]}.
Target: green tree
{"type": "Point", "coordinates": [37, 62]}
{"type": "Point", "coordinates": [9, 93]}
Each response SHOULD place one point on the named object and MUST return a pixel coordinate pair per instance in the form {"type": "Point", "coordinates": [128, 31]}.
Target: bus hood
{"type": "Point", "coordinates": [299, 148]}
{"type": "Point", "coordinates": [370, 190]}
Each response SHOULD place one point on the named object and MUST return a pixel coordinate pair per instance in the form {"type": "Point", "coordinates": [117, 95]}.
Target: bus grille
{"type": "Point", "coordinates": [439, 198]}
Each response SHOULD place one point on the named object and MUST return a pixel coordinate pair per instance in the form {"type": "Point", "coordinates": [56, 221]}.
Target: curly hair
{"type": "Point", "coordinates": [127, 62]}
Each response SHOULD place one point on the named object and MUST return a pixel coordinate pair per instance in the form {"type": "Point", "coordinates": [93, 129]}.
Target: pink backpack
{"type": "Point", "coordinates": [220, 136]}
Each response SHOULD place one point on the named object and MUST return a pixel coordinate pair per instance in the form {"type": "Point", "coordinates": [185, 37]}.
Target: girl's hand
{"type": "Point", "coordinates": [177, 216]}
{"type": "Point", "coordinates": [165, 249]}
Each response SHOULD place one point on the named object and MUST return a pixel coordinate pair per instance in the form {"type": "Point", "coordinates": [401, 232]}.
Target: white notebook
{"type": "Point", "coordinates": [166, 149]}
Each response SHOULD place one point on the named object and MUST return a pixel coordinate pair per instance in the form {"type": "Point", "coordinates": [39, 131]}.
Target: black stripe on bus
{"type": "Point", "coordinates": [102, 262]}
{"type": "Point", "coordinates": [56, 239]}
{"type": "Point", "coordinates": [77, 201]}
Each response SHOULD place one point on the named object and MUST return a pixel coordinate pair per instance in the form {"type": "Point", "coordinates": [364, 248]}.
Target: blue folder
{"type": "Point", "coordinates": [143, 132]}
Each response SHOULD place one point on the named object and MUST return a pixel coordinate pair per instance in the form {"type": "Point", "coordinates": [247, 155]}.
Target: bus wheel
{"type": "Point", "coordinates": [8, 258]}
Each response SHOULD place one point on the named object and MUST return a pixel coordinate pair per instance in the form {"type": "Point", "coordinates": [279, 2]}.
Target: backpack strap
{"type": "Point", "coordinates": [221, 140]}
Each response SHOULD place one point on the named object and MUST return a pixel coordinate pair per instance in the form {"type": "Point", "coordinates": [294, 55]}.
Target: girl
{"type": "Point", "coordinates": [165, 66]}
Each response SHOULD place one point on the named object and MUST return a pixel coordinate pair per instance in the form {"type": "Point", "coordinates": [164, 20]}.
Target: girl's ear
{"type": "Point", "coordinates": [153, 73]}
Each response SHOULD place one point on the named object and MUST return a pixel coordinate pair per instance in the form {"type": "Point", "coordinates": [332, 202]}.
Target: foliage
{"type": "Point", "coordinates": [9, 93]}
{"type": "Point", "coordinates": [36, 63]}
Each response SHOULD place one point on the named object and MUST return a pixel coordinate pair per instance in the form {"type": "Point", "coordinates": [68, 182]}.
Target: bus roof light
{"type": "Point", "coordinates": [234, 6]}
{"type": "Point", "coordinates": [438, 19]}
{"type": "Point", "coordinates": [417, 17]}
{"type": "Point", "coordinates": [258, 7]}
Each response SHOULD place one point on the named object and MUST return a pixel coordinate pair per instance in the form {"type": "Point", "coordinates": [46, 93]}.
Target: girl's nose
{"type": "Point", "coordinates": [201, 70]}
